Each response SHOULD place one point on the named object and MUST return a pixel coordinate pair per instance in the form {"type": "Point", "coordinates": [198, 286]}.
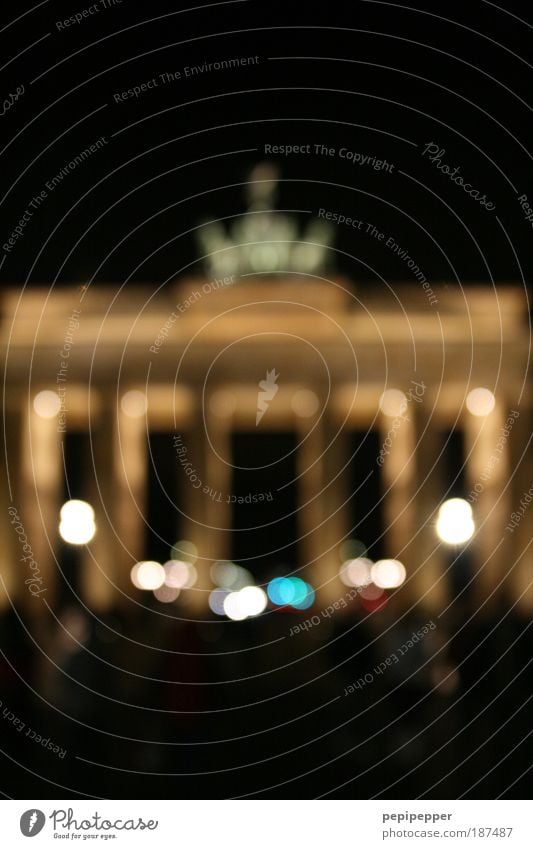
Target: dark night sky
{"type": "Point", "coordinates": [374, 77]}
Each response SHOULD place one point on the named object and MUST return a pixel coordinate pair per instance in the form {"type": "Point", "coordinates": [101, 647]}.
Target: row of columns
{"type": "Point", "coordinates": [410, 476]}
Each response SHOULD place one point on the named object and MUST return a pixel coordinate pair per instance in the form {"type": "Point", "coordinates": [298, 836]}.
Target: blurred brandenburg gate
{"type": "Point", "coordinates": [126, 361]}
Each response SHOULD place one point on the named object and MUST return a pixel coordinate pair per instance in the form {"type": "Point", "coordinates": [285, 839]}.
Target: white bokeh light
{"type": "Point", "coordinates": [147, 575]}
{"type": "Point", "coordinates": [254, 600]}
{"type": "Point", "coordinates": [393, 402]}
{"type": "Point", "coordinates": [455, 524]}
{"type": "Point", "coordinates": [234, 607]}
{"type": "Point", "coordinates": [47, 404]}
{"type": "Point", "coordinates": [388, 574]}
{"type": "Point", "coordinates": [76, 524]}
{"type": "Point", "coordinates": [134, 404]}
{"type": "Point", "coordinates": [250, 601]}
{"type": "Point", "coordinates": [177, 574]}
{"type": "Point", "coordinates": [356, 572]}
{"type": "Point", "coordinates": [480, 401]}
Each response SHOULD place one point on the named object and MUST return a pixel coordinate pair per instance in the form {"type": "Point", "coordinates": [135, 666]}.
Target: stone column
{"type": "Point", "coordinates": [211, 504]}
{"type": "Point", "coordinates": [487, 471]}
{"type": "Point", "coordinates": [397, 465]}
{"type": "Point", "coordinates": [12, 570]}
{"type": "Point", "coordinates": [429, 585]}
{"type": "Point", "coordinates": [519, 521]}
{"type": "Point", "coordinates": [208, 512]}
{"type": "Point", "coordinates": [319, 565]}
{"type": "Point", "coordinates": [334, 498]}
{"type": "Point", "coordinates": [129, 439]}
{"type": "Point", "coordinates": [41, 479]}
{"type": "Point", "coordinates": [99, 574]}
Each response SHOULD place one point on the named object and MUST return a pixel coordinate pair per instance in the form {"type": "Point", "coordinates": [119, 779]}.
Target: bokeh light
{"type": "Point", "coordinates": [166, 594]}
{"type": "Point", "coordinates": [299, 591]}
{"type": "Point", "coordinates": [388, 574]}
{"type": "Point", "coordinates": [374, 604]}
{"type": "Point", "coordinates": [223, 403]}
{"type": "Point", "coordinates": [280, 591]}
{"type": "Point", "coordinates": [250, 601]}
{"type": "Point", "coordinates": [47, 404]}
{"type": "Point", "coordinates": [291, 591]}
{"type": "Point", "coordinates": [177, 574]}
{"type": "Point", "coordinates": [224, 573]}
{"type": "Point", "coordinates": [455, 524]}
{"type": "Point", "coordinates": [147, 575]}
{"type": "Point", "coordinates": [76, 524]}
{"type": "Point", "coordinates": [371, 592]}
{"type": "Point", "coordinates": [253, 599]}
{"type": "Point", "coordinates": [216, 600]}
{"type": "Point", "coordinates": [184, 549]}
{"type": "Point", "coordinates": [480, 401]}
{"type": "Point", "coordinates": [307, 599]}
{"type": "Point", "coordinates": [193, 576]}
{"type": "Point", "coordinates": [234, 607]}
{"type": "Point", "coordinates": [229, 575]}
{"type": "Point", "coordinates": [356, 572]}
{"type": "Point", "coordinates": [349, 549]}
{"type": "Point", "coordinates": [304, 403]}
{"type": "Point", "coordinates": [134, 404]}
{"type": "Point", "coordinates": [393, 402]}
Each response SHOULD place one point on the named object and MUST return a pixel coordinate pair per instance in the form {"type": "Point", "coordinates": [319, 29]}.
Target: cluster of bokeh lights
{"type": "Point", "coordinates": [235, 595]}
{"type": "Point", "coordinates": [167, 580]}
{"type": "Point", "coordinates": [370, 579]}
{"type": "Point", "coordinates": [291, 591]}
